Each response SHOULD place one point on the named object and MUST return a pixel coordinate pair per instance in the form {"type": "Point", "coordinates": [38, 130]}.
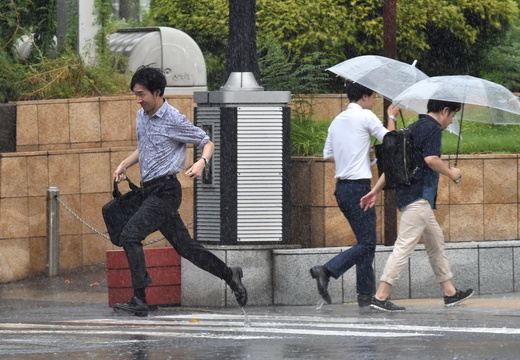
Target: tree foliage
{"type": "Point", "coordinates": [297, 41]}
{"type": "Point", "coordinates": [28, 17]}
{"type": "Point", "coordinates": [46, 73]}
{"type": "Point", "coordinates": [10, 24]}
{"type": "Point", "coordinates": [283, 72]}
{"type": "Point", "coordinates": [206, 21]}
{"type": "Point", "coordinates": [446, 36]}
{"type": "Point", "coordinates": [502, 63]}
{"type": "Point", "coordinates": [104, 14]}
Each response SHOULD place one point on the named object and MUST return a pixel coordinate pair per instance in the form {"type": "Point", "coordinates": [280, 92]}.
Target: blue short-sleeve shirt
{"type": "Point", "coordinates": [427, 134]}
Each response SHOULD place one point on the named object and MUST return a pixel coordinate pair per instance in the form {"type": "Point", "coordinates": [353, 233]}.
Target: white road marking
{"type": "Point", "coordinates": [229, 326]}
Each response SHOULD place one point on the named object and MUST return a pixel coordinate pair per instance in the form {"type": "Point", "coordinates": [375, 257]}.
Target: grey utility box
{"type": "Point", "coordinates": [170, 49]}
{"type": "Point", "coordinates": [243, 196]}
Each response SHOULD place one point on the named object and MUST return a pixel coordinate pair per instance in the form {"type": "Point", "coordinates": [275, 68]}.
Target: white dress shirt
{"type": "Point", "coordinates": [348, 140]}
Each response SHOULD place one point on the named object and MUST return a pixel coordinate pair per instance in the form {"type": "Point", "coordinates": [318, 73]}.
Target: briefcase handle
{"type": "Point", "coordinates": [116, 193]}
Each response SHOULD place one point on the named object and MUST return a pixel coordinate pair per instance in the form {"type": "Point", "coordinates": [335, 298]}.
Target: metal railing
{"type": "Point", "coordinates": [53, 203]}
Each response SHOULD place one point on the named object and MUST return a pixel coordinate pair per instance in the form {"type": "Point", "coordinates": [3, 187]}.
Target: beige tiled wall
{"type": "Point", "coordinates": [83, 177]}
{"type": "Point", "coordinates": [98, 122]}
{"type": "Point", "coordinates": [76, 145]}
{"type": "Point", "coordinates": [484, 206]}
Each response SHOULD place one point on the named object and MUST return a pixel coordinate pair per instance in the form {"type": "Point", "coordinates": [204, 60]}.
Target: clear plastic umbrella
{"type": "Point", "coordinates": [482, 100]}
{"type": "Point", "coordinates": [387, 77]}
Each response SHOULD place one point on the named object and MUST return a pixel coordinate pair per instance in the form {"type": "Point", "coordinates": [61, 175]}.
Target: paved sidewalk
{"type": "Point", "coordinates": [68, 317]}
{"type": "Point", "coordinates": [89, 285]}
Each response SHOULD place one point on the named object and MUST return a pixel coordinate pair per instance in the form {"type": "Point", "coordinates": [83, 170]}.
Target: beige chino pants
{"type": "Point", "coordinates": [418, 219]}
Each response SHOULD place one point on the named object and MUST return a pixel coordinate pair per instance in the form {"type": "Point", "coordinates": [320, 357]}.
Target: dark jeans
{"type": "Point", "coordinates": [159, 211]}
{"type": "Point", "coordinates": [363, 224]}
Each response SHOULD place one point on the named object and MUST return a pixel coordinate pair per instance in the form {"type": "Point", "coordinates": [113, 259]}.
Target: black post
{"type": "Point", "coordinates": [7, 127]}
{"type": "Point", "coordinates": [67, 24]}
{"type": "Point", "coordinates": [390, 51]}
{"type": "Point", "coordinates": [129, 9]}
{"type": "Point", "coordinates": [241, 53]}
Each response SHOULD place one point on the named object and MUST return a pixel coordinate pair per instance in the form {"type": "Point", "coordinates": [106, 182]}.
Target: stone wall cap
{"type": "Point", "coordinates": [382, 248]}
{"type": "Point", "coordinates": [273, 247]}
{"type": "Point", "coordinates": [309, 251]}
{"type": "Point", "coordinates": [242, 98]}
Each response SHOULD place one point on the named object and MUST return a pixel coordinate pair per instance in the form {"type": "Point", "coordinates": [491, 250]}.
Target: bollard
{"type": "Point", "coordinates": [53, 264]}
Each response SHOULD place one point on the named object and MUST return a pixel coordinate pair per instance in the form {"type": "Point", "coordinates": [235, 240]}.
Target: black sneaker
{"type": "Point", "coordinates": [364, 300]}
{"type": "Point", "coordinates": [135, 307]}
{"type": "Point", "coordinates": [385, 305]}
{"type": "Point", "coordinates": [459, 297]}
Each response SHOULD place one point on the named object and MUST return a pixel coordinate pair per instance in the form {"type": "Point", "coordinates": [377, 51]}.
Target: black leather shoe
{"type": "Point", "coordinates": [135, 307]}
{"type": "Point", "coordinates": [319, 273]}
{"type": "Point", "coordinates": [364, 300]}
{"type": "Point", "coordinates": [237, 287]}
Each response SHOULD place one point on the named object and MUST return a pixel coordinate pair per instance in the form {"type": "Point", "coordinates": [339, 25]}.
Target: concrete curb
{"type": "Point", "coordinates": [280, 276]}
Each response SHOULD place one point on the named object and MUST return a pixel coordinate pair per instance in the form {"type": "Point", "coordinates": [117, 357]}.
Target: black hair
{"type": "Point", "coordinates": [356, 91]}
{"type": "Point", "coordinates": [436, 106]}
{"type": "Point", "coordinates": [150, 77]}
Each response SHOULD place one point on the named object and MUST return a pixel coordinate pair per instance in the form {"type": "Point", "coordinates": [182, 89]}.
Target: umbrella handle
{"type": "Point", "coordinates": [459, 179]}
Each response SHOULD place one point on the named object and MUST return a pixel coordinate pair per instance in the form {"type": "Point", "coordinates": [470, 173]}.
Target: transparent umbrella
{"type": "Point", "coordinates": [387, 77]}
{"type": "Point", "coordinates": [482, 100]}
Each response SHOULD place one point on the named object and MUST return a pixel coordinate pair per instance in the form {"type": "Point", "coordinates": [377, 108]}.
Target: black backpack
{"type": "Point", "coordinates": [397, 157]}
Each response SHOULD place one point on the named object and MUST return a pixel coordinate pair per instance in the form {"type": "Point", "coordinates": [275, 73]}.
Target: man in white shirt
{"type": "Point", "coordinates": [348, 145]}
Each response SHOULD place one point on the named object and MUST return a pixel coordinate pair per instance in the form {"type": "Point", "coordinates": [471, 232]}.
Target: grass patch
{"type": "Point", "coordinates": [479, 138]}
{"type": "Point", "coordinates": [308, 138]}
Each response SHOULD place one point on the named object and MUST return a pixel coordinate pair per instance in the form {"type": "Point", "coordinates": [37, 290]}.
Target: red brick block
{"type": "Point", "coordinates": [155, 295]}
{"type": "Point", "coordinates": [161, 256]}
{"type": "Point", "coordinates": [166, 275]}
{"type": "Point", "coordinates": [164, 266]}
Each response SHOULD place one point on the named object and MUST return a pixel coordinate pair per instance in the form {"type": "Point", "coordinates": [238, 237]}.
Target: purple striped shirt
{"type": "Point", "coordinates": [162, 139]}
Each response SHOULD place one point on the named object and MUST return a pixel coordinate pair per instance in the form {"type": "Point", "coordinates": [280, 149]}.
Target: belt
{"type": "Point", "coordinates": [356, 181]}
{"type": "Point", "coordinates": [158, 180]}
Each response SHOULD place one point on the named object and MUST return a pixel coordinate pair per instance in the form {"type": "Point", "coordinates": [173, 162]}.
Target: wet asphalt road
{"type": "Point", "coordinates": [44, 318]}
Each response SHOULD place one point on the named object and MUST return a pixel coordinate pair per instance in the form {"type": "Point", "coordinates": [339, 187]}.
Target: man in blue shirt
{"type": "Point", "coordinates": [162, 135]}
{"type": "Point", "coordinates": [417, 201]}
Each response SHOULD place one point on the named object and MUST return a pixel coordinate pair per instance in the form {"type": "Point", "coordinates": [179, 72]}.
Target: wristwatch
{"type": "Point", "coordinates": [205, 160]}
{"type": "Point", "coordinates": [392, 117]}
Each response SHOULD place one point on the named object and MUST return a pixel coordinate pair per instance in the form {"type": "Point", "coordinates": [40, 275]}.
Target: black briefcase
{"type": "Point", "coordinates": [119, 210]}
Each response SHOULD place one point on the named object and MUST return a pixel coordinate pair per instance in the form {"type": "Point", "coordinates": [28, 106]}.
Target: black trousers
{"type": "Point", "coordinates": [159, 211]}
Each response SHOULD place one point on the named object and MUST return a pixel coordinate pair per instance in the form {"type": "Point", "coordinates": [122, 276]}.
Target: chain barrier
{"type": "Point", "coordinates": [100, 232]}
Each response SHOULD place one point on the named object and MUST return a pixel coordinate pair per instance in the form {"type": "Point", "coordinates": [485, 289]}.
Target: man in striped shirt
{"type": "Point", "coordinates": [162, 136]}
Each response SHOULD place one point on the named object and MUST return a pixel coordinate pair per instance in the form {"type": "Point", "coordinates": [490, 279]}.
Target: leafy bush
{"type": "Point", "coordinates": [308, 137]}
{"type": "Point", "coordinates": [46, 74]}
{"type": "Point", "coordinates": [447, 36]}
{"type": "Point", "coordinates": [64, 77]}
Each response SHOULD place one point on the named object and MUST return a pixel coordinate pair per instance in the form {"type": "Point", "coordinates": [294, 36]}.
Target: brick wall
{"type": "Point", "coordinates": [484, 206]}
{"type": "Point", "coordinates": [76, 144]}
